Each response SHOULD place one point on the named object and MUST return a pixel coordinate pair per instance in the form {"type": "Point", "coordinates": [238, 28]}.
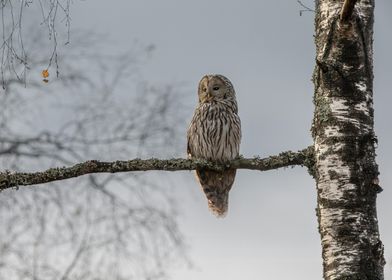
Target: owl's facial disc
{"type": "Point", "coordinates": [206, 96]}
{"type": "Point", "coordinates": [204, 92]}
{"type": "Point", "coordinates": [211, 90]}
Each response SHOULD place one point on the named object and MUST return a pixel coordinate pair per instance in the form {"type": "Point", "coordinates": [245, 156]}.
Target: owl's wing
{"type": "Point", "coordinates": [190, 135]}
{"type": "Point", "coordinates": [188, 146]}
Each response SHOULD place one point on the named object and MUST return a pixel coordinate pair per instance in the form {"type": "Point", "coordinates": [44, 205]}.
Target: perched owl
{"type": "Point", "coordinates": [215, 134]}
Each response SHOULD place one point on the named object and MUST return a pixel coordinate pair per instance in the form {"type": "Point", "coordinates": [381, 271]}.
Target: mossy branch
{"type": "Point", "coordinates": [285, 159]}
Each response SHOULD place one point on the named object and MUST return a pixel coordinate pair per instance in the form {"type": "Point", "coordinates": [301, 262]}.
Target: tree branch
{"type": "Point", "coordinates": [347, 9]}
{"type": "Point", "coordinates": [285, 159]}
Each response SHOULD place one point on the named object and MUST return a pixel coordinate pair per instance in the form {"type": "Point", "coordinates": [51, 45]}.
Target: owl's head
{"type": "Point", "coordinates": [215, 88]}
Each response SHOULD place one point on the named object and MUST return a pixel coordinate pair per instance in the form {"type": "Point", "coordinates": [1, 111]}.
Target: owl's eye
{"type": "Point", "coordinates": [215, 88]}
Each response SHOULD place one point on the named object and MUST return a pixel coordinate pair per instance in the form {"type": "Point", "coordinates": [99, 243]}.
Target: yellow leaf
{"type": "Point", "coordinates": [45, 73]}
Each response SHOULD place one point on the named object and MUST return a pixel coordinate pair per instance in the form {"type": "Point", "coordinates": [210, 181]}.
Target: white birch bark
{"type": "Point", "coordinates": [344, 140]}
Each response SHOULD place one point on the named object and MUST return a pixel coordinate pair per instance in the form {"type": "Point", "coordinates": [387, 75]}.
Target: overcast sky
{"type": "Point", "coordinates": [266, 48]}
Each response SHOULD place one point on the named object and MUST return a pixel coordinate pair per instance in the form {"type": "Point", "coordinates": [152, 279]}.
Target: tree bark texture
{"type": "Point", "coordinates": [346, 171]}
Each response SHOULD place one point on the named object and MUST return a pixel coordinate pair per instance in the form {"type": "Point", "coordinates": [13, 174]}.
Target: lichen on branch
{"type": "Point", "coordinates": [14, 179]}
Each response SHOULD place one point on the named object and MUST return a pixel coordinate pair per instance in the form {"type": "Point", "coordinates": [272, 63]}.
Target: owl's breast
{"type": "Point", "coordinates": [215, 134]}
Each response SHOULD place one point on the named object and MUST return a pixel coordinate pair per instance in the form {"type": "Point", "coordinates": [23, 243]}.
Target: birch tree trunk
{"type": "Point", "coordinates": [344, 140]}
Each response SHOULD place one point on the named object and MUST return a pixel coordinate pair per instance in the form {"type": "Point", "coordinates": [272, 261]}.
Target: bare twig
{"type": "Point", "coordinates": [78, 254]}
{"type": "Point", "coordinates": [347, 9]}
{"type": "Point", "coordinates": [289, 158]}
{"type": "Point", "coordinates": [14, 62]}
{"type": "Point", "coordinates": [305, 8]}
{"type": "Point", "coordinates": [132, 218]}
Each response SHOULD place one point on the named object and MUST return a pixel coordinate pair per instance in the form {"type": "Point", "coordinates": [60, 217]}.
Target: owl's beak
{"type": "Point", "coordinates": [208, 97]}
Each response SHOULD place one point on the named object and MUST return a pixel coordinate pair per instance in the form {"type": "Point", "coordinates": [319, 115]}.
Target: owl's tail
{"type": "Point", "coordinates": [218, 204]}
{"type": "Point", "coordinates": [216, 187]}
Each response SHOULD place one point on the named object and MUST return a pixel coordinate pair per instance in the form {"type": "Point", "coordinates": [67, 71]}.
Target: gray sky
{"type": "Point", "coordinates": [267, 50]}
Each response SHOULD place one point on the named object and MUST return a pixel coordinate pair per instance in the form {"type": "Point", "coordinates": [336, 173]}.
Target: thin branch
{"type": "Point", "coordinates": [305, 8]}
{"type": "Point", "coordinates": [285, 159]}
{"type": "Point", "coordinates": [347, 9]}
{"type": "Point", "coordinates": [82, 247]}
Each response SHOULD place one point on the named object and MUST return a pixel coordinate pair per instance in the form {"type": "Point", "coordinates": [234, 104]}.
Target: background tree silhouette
{"type": "Point", "coordinates": [95, 227]}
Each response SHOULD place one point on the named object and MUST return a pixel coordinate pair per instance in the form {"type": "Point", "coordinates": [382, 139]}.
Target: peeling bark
{"type": "Point", "coordinates": [347, 9]}
{"type": "Point", "coordinates": [346, 172]}
{"type": "Point", "coordinates": [8, 179]}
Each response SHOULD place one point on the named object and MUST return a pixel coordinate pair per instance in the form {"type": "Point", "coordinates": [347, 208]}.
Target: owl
{"type": "Point", "coordinates": [215, 134]}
